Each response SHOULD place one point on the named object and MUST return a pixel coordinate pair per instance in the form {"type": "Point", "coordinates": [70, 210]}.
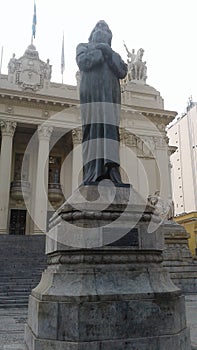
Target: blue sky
{"type": "Point", "coordinates": [166, 30]}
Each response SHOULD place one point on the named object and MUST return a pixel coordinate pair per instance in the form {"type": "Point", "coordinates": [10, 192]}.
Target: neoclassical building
{"type": "Point", "coordinates": [40, 160]}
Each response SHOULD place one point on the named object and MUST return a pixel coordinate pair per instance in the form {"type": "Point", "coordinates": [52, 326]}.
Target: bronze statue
{"type": "Point", "coordinates": [100, 97]}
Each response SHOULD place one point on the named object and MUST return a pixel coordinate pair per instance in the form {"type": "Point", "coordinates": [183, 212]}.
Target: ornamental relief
{"type": "Point", "coordinates": [29, 72]}
{"type": "Point", "coordinates": [145, 146]}
{"type": "Point", "coordinates": [9, 109]}
{"type": "Point", "coordinates": [77, 136]}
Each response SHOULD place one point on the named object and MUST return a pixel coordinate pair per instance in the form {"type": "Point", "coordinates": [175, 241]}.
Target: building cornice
{"type": "Point", "coordinates": [185, 218]}
{"type": "Point", "coordinates": [150, 111]}
{"type": "Point", "coordinates": [37, 98]}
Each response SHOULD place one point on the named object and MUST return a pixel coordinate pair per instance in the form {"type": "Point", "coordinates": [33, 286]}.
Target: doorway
{"type": "Point", "coordinates": [17, 222]}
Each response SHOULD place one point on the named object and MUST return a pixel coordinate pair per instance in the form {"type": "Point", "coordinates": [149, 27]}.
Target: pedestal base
{"type": "Point", "coordinates": [106, 299]}
{"type": "Point", "coordinates": [177, 341]}
{"type": "Point", "coordinates": [104, 291]}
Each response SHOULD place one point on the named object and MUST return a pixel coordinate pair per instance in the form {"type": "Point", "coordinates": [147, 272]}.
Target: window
{"type": "Point", "coordinates": [21, 167]}
{"type": "Point", "coordinates": [54, 169]}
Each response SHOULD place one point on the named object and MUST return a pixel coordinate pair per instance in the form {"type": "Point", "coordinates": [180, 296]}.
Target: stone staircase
{"type": "Point", "coordinates": [178, 259]}
{"type": "Point", "coordinates": [22, 261]}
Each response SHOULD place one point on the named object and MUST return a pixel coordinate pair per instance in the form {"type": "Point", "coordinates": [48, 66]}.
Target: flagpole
{"type": "Point", "coordinates": [62, 60]}
{"type": "Point", "coordinates": [34, 22]}
{"type": "Point", "coordinates": [32, 29]}
{"type": "Point", "coordinates": [1, 59]}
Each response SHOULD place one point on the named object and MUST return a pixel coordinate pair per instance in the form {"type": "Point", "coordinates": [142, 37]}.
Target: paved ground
{"type": "Point", "coordinates": [191, 312]}
{"type": "Point", "coordinates": [12, 325]}
{"type": "Point", "coordinates": [12, 328]}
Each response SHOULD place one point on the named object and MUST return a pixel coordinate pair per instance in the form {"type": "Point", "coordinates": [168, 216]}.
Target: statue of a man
{"type": "Point", "coordinates": [131, 55]}
{"type": "Point", "coordinates": [100, 97]}
{"type": "Point", "coordinates": [12, 64]}
{"type": "Point", "coordinates": [47, 70]}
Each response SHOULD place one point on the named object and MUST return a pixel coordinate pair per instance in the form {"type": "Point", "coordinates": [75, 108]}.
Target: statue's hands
{"type": "Point", "coordinates": [105, 48]}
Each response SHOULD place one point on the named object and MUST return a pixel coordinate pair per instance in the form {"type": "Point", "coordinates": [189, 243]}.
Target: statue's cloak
{"type": "Point", "coordinates": [100, 100]}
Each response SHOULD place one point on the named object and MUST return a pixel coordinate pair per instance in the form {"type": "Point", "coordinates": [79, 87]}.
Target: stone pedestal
{"type": "Point", "coordinates": [115, 295]}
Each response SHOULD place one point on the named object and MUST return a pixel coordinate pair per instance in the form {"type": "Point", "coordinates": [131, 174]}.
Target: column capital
{"type": "Point", "coordinates": [77, 136]}
{"type": "Point", "coordinates": [44, 132]}
{"type": "Point", "coordinates": [7, 127]}
{"type": "Point", "coordinates": [160, 142]}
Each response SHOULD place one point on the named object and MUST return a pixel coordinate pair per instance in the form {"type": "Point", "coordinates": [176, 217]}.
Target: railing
{"type": "Point", "coordinates": [20, 190]}
{"type": "Point", "coordinates": [55, 192]}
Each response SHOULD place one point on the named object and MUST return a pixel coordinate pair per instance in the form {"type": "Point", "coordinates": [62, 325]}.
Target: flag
{"type": "Point", "coordinates": [62, 57]}
{"type": "Point", "coordinates": [34, 22]}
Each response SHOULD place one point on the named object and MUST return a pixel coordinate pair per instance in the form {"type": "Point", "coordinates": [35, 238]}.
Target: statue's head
{"type": "Point", "coordinates": [140, 53]}
{"type": "Point", "coordinates": [101, 33]}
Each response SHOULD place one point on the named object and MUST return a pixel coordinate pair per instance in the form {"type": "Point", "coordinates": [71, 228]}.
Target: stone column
{"type": "Point", "coordinates": [41, 191]}
{"type": "Point", "coordinates": [128, 158]}
{"type": "Point", "coordinates": [7, 132]}
{"type": "Point", "coordinates": [162, 159]}
{"type": "Point", "coordinates": [77, 158]}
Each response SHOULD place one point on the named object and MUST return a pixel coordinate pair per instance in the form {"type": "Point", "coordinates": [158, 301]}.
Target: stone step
{"type": "Point", "coordinates": [22, 261]}
{"type": "Point", "coordinates": [172, 263]}
{"type": "Point", "coordinates": [22, 286]}
{"type": "Point", "coordinates": [22, 276]}
{"type": "Point", "coordinates": [14, 306]}
{"type": "Point", "coordinates": [14, 303]}
{"type": "Point", "coordinates": [183, 270]}
{"type": "Point", "coordinates": [16, 272]}
{"type": "Point", "coordinates": [19, 278]}
{"type": "Point", "coordinates": [17, 299]}
{"type": "Point", "coordinates": [19, 286]}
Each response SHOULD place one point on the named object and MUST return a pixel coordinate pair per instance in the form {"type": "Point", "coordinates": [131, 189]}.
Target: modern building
{"type": "Point", "coordinates": [183, 135]}
{"type": "Point", "coordinates": [40, 160]}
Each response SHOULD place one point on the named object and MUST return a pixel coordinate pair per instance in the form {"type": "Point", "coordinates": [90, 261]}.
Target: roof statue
{"type": "Point", "coordinates": [29, 72]}
{"type": "Point", "coordinates": [137, 69]}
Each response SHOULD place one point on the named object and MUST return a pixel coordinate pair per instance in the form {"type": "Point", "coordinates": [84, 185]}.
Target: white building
{"type": "Point", "coordinates": [183, 134]}
{"type": "Point", "coordinates": [40, 159]}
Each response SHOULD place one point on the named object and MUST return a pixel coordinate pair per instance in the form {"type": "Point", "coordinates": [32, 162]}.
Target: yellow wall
{"type": "Point", "coordinates": [189, 221]}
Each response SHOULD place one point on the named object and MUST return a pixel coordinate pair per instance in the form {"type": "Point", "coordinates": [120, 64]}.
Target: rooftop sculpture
{"type": "Point", "coordinates": [29, 72]}
{"type": "Point", "coordinates": [137, 69]}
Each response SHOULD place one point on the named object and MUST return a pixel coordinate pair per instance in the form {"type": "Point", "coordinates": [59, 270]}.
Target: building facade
{"type": "Point", "coordinates": [40, 159]}
{"type": "Point", "coordinates": [183, 135]}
